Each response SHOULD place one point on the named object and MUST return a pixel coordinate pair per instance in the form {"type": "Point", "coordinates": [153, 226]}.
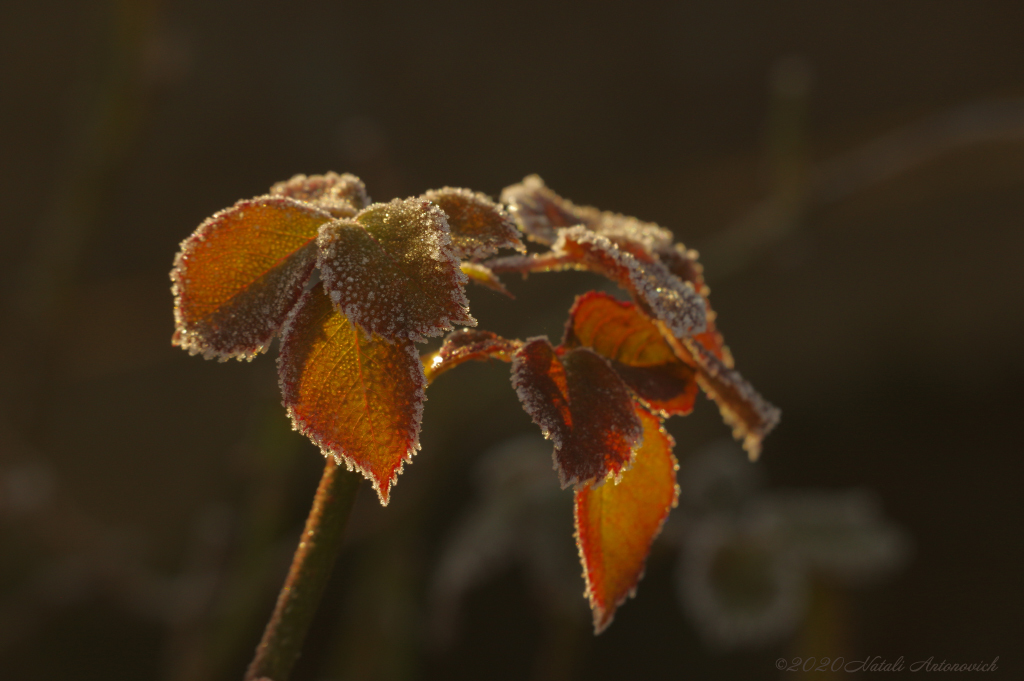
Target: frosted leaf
{"type": "Point", "coordinates": [658, 292]}
{"type": "Point", "coordinates": [541, 212]}
{"type": "Point", "coordinates": [538, 210]}
{"type": "Point", "coordinates": [750, 415]}
{"type": "Point", "coordinates": [479, 227]}
{"type": "Point", "coordinates": [618, 331]}
{"type": "Point", "coordinates": [392, 270]}
{"type": "Point", "coordinates": [341, 195]}
{"type": "Point", "coordinates": [582, 406]}
{"type": "Point", "coordinates": [238, 275]}
{"type": "Point", "coordinates": [683, 263]}
{"type": "Point", "coordinates": [359, 399]}
{"type": "Point", "coordinates": [478, 274]}
{"type": "Point", "coordinates": [465, 345]}
{"type": "Point", "coordinates": [616, 523]}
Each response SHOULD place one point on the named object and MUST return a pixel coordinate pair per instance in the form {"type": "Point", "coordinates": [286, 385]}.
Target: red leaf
{"type": "Point", "coordinates": [580, 404]}
{"type": "Point", "coordinates": [479, 226]}
{"type": "Point", "coordinates": [619, 331]}
{"type": "Point", "coordinates": [341, 195]}
{"type": "Point", "coordinates": [239, 274]}
{"type": "Point", "coordinates": [616, 522]}
{"type": "Point", "coordinates": [750, 415]}
{"type": "Point", "coordinates": [658, 292]}
{"type": "Point", "coordinates": [465, 345]}
{"type": "Point", "coordinates": [359, 399]}
{"type": "Point", "coordinates": [393, 271]}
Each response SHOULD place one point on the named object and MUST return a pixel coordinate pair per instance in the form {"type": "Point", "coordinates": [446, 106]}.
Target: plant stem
{"type": "Point", "coordinates": [311, 568]}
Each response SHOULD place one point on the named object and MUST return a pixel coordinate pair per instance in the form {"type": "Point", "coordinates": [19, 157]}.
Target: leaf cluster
{"type": "Point", "coordinates": [393, 274]}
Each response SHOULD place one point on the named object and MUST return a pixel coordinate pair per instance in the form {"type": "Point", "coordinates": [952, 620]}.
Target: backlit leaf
{"type": "Point", "coordinates": [750, 415]}
{"type": "Point", "coordinates": [341, 195]}
{"type": "Point", "coordinates": [658, 292]}
{"type": "Point", "coordinates": [541, 212]}
{"type": "Point", "coordinates": [359, 399]}
{"type": "Point", "coordinates": [616, 522]}
{"type": "Point", "coordinates": [479, 227]}
{"type": "Point", "coordinates": [582, 405]}
{"type": "Point", "coordinates": [479, 274]}
{"type": "Point", "coordinates": [238, 275]}
{"type": "Point", "coordinates": [683, 263]}
{"type": "Point", "coordinates": [618, 331]}
{"type": "Point", "coordinates": [392, 270]}
{"type": "Point", "coordinates": [465, 345]}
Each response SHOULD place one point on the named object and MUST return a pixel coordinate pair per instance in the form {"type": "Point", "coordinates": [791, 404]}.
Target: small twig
{"type": "Point", "coordinates": [307, 578]}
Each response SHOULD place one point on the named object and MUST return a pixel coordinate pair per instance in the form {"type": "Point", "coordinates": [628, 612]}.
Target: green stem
{"type": "Point", "coordinates": [311, 568]}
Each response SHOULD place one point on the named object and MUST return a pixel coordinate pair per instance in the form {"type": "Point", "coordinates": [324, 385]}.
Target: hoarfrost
{"type": "Point", "coordinates": [407, 282]}
{"type": "Point", "coordinates": [239, 274]}
{"type": "Point", "coordinates": [479, 227]}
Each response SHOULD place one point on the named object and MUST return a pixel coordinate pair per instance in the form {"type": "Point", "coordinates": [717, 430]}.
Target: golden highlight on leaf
{"type": "Point", "coordinates": [465, 345]}
{"type": "Point", "coordinates": [618, 331]}
{"type": "Point", "coordinates": [359, 399]}
{"type": "Point", "coordinates": [238, 275]}
{"type": "Point", "coordinates": [392, 270]}
{"type": "Point", "coordinates": [483, 276]}
{"type": "Point", "coordinates": [580, 404]}
{"type": "Point", "coordinates": [617, 522]}
{"type": "Point", "coordinates": [340, 195]}
{"type": "Point", "coordinates": [479, 227]}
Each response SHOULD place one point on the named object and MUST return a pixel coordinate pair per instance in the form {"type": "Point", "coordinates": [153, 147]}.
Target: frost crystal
{"type": "Point", "coordinates": [341, 195]}
{"type": "Point", "coordinates": [658, 292]}
{"type": "Point", "coordinates": [541, 212]}
{"type": "Point", "coordinates": [238, 275]}
{"type": "Point", "coordinates": [479, 227]}
{"type": "Point", "coordinates": [392, 270]}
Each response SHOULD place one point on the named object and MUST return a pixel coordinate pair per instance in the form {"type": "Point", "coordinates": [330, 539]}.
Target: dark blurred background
{"type": "Point", "coordinates": [852, 172]}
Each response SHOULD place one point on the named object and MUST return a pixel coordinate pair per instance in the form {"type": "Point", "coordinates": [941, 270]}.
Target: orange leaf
{"type": "Point", "coordinates": [465, 345]}
{"type": "Point", "coordinates": [618, 331]}
{"type": "Point", "coordinates": [359, 399]}
{"type": "Point", "coordinates": [392, 270]}
{"type": "Point", "coordinates": [616, 522]}
{"type": "Point", "coordinates": [479, 226]}
{"type": "Point", "coordinates": [239, 274]}
{"type": "Point", "coordinates": [658, 292]}
{"type": "Point", "coordinates": [580, 404]}
{"type": "Point", "coordinates": [340, 195]}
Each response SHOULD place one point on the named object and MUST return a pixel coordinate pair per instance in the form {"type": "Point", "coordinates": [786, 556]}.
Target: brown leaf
{"type": "Point", "coordinates": [541, 212]}
{"type": "Point", "coordinates": [238, 275]}
{"type": "Point", "coordinates": [392, 270]}
{"type": "Point", "coordinates": [750, 415]}
{"type": "Point", "coordinates": [580, 404]}
{"type": "Point", "coordinates": [341, 195]}
{"type": "Point", "coordinates": [479, 226]}
{"type": "Point", "coordinates": [617, 522]}
{"type": "Point", "coordinates": [359, 399]}
{"type": "Point", "coordinates": [618, 331]}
